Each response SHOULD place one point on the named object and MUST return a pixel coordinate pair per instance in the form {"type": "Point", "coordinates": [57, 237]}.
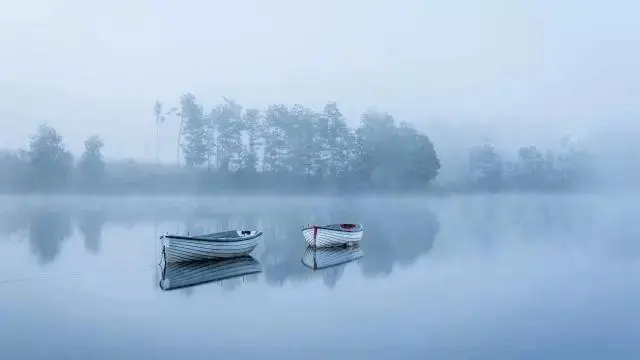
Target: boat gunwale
{"type": "Point", "coordinates": [219, 240]}
{"type": "Point", "coordinates": [360, 228]}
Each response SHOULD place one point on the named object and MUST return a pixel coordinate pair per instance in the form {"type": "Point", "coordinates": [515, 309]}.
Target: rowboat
{"type": "Point", "coordinates": [332, 235]}
{"type": "Point", "coordinates": [226, 244]}
{"type": "Point", "coordinates": [187, 274]}
{"type": "Point", "coordinates": [323, 258]}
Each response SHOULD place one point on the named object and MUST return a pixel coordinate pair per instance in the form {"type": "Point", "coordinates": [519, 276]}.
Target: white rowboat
{"type": "Point", "coordinates": [323, 258]}
{"type": "Point", "coordinates": [332, 235]}
{"type": "Point", "coordinates": [187, 274]}
{"type": "Point", "coordinates": [226, 244]}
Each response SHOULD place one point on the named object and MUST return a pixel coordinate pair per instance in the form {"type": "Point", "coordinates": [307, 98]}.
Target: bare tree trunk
{"type": "Point", "coordinates": [157, 139]}
{"type": "Point", "coordinates": [157, 109]}
{"type": "Point", "coordinates": [179, 138]}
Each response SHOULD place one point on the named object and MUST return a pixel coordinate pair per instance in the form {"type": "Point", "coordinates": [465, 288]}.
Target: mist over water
{"type": "Point", "coordinates": [471, 277]}
{"type": "Point", "coordinates": [489, 149]}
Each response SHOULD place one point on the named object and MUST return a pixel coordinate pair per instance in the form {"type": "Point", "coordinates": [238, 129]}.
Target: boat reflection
{"type": "Point", "coordinates": [323, 258]}
{"type": "Point", "coordinates": [188, 274]}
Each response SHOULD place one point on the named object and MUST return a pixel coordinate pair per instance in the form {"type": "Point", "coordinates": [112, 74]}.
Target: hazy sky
{"type": "Point", "coordinates": [97, 67]}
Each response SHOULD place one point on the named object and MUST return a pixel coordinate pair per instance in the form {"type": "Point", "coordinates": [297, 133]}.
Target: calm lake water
{"type": "Point", "coordinates": [484, 277]}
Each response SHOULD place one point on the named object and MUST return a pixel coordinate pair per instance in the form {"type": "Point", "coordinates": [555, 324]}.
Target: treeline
{"type": "Point", "coordinates": [48, 166]}
{"type": "Point", "coordinates": [281, 149]}
{"type": "Point", "coordinates": [298, 148]}
{"type": "Point", "coordinates": [569, 168]}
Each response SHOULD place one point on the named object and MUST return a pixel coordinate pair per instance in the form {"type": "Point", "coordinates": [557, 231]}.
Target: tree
{"type": "Point", "coordinates": [275, 139]}
{"type": "Point", "coordinates": [228, 124]}
{"type": "Point", "coordinates": [418, 156]}
{"type": "Point", "coordinates": [485, 168]}
{"type": "Point", "coordinates": [303, 153]}
{"type": "Point", "coordinates": [573, 164]}
{"type": "Point", "coordinates": [392, 157]}
{"type": "Point", "coordinates": [196, 132]}
{"type": "Point", "coordinates": [336, 141]}
{"type": "Point", "coordinates": [253, 128]}
{"type": "Point", "coordinates": [376, 137]}
{"type": "Point", "coordinates": [15, 170]}
{"type": "Point", "coordinates": [50, 163]}
{"type": "Point", "coordinates": [534, 170]}
{"type": "Point", "coordinates": [91, 163]}
{"type": "Point", "coordinates": [297, 146]}
{"type": "Point", "coordinates": [159, 117]}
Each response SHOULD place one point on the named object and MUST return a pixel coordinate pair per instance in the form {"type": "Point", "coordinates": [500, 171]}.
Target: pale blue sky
{"type": "Point", "coordinates": [97, 67]}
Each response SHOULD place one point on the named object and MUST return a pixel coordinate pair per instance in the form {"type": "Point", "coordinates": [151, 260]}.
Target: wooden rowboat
{"type": "Point", "coordinates": [226, 244]}
{"type": "Point", "coordinates": [332, 235]}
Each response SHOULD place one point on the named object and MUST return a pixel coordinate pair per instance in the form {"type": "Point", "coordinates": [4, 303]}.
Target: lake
{"type": "Point", "coordinates": [462, 277]}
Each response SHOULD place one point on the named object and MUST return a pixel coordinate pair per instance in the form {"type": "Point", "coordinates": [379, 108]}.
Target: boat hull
{"type": "Point", "coordinates": [322, 258]}
{"type": "Point", "coordinates": [318, 237]}
{"type": "Point", "coordinates": [187, 274]}
{"type": "Point", "coordinates": [181, 250]}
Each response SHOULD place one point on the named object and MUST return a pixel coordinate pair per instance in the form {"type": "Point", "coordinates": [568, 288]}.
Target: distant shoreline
{"type": "Point", "coordinates": [263, 195]}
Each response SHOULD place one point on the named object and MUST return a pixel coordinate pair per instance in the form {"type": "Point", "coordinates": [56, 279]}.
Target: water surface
{"type": "Point", "coordinates": [485, 277]}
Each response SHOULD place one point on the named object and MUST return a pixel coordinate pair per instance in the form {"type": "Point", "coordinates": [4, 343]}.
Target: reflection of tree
{"type": "Point", "coordinates": [378, 250]}
{"type": "Point", "coordinates": [331, 276]}
{"type": "Point", "coordinates": [392, 236]}
{"type": "Point", "coordinates": [228, 285]}
{"type": "Point", "coordinates": [47, 230]}
{"type": "Point", "coordinates": [12, 220]}
{"type": "Point", "coordinates": [533, 218]}
{"type": "Point", "coordinates": [188, 291]}
{"type": "Point", "coordinates": [284, 248]}
{"type": "Point", "coordinates": [624, 246]}
{"type": "Point", "coordinates": [90, 224]}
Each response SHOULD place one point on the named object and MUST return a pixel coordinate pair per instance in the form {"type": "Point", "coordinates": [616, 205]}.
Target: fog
{"type": "Point", "coordinates": [461, 71]}
{"type": "Point", "coordinates": [105, 103]}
